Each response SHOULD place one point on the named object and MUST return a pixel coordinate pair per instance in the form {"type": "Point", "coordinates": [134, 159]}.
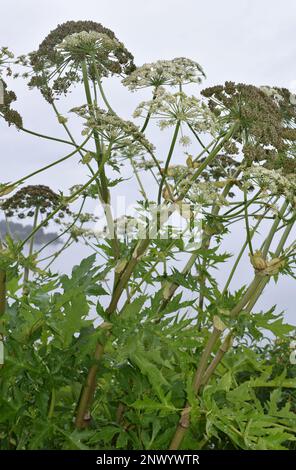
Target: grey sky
{"type": "Point", "coordinates": [246, 40]}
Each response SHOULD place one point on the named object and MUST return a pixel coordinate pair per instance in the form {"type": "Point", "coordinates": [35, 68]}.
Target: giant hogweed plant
{"type": "Point", "coordinates": [172, 359]}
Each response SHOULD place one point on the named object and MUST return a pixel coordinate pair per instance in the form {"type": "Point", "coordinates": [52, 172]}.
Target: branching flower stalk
{"type": "Point", "coordinates": [88, 390]}
{"type": "Point", "coordinates": [31, 248]}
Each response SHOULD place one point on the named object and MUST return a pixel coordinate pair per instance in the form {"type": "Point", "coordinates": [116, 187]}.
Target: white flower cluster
{"type": "Point", "coordinates": [271, 181]}
{"type": "Point", "coordinates": [112, 128]}
{"type": "Point", "coordinates": [205, 193]}
{"type": "Point", "coordinates": [179, 171]}
{"type": "Point", "coordinates": [126, 225]}
{"type": "Point", "coordinates": [276, 95]}
{"type": "Point", "coordinates": [92, 43]}
{"type": "Point", "coordinates": [272, 93]}
{"type": "Point", "coordinates": [146, 163]}
{"type": "Point", "coordinates": [168, 108]}
{"type": "Point", "coordinates": [293, 352]}
{"type": "Point", "coordinates": [165, 72]}
{"type": "Point", "coordinates": [77, 232]}
{"type": "Point", "coordinates": [185, 141]}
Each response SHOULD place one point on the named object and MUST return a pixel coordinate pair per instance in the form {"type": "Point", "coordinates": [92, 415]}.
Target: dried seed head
{"type": "Point", "coordinates": [266, 118]}
{"type": "Point", "coordinates": [32, 197]}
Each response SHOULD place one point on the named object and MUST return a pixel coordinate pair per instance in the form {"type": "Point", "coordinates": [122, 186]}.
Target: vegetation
{"type": "Point", "coordinates": [141, 347]}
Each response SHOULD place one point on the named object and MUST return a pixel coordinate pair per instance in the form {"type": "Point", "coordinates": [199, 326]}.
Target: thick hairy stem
{"type": "Point", "coordinates": [82, 418]}
{"type": "Point", "coordinates": [254, 230]}
{"type": "Point", "coordinates": [225, 346]}
{"type": "Point", "coordinates": [123, 280]}
{"type": "Point", "coordinates": [104, 193]}
{"type": "Point", "coordinates": [227, 343]}
{"type": "Point", "coordinates": [184, 421]}
{"type": "Point", "coordinates": [265, 279]}
{"type": "Point", "coordinates": [31, 247]}
{"type": "Point", "coordinates": [202, 376]}
{"type": "Point", "coordinates": [247, 296]}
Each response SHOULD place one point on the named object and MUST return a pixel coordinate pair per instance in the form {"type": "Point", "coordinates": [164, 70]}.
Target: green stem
{"type": "Point", "coordinates": [171, 150]}
{"type": "Point", "coordinates": [209, 158]}
{"type": "Point", "coordinates": [198, 138]}
{"type": "Point", "coordinates": [274, 227]}
{"type": "Point", "coordinates": [246, 216]}
{"type": "Point", "coordinates": [142, 189]}
{"type": "Point", "coordinates": [88, 390]}
{"type": "Point", "coordinates": [52, 404]}
{"type": "Point", "coordinates": [223, 349]}
{"type": "Point", "coordinates": [103, 94]}
{"type": "Point", "coordinates": [146, 122]}
{"type": "Point", "coordinates": [184, 422]}
{"type": "Point", "coordinates": [126, 274]}
{"type": "Point", "coordinates": [50, 165]}
{"type": "Point", "coordinates": [64, 231]}
{"type": "Point", "coordinates": [31, 247]}
{"type": "Point", "coordinates": [240, 256]}
{"type": "Point", "coordinates": [43, 136]}
{"type": "Point", "coordinates": [60, 206]}
{"type": "Point", "coordinates": [265, 279]}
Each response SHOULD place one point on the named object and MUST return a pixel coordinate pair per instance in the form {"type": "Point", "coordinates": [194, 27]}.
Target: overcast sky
{"type": "Point", "coordinates": [247, 40]}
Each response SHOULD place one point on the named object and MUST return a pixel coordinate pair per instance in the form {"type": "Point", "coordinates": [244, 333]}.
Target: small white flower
{"type": "Point", "coordinates": [293, 357]}
{"type": "Point", "coordinates": [272, 181]}
{"type": "Point", "coordinates": [168, 108]}
{"type": "Point", "coordinates": [112, 128]}
{"type": "Point", "coordinates": [272, 93]}
{"type": "Point", "coordinates": [165, 72]}
{"type": "Point", "coordinates": [185, 141]}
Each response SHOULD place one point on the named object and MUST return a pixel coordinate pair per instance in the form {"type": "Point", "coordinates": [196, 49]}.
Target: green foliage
{"type": "Point", "coordinates": [133, 350]}
{"type": "Point", "coordinates": [145, 378]}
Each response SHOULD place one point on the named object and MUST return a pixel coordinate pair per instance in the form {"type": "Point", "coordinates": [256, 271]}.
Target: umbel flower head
{"type": "Point", "coordinates": [112, 128]}
{"type": "Point", "coordinates": [168, 108]}
{"type": "Point", "coordinates": [93, 47]}
{"type": "Point", "coordinates": [263, 117]}
{"type": "Point", "coordinates": [24, 202]}
{"type": "Point", "coordinates": [272, 182]}
{"type": "Point", "coordinates": [179, 71]}
{"type": "Point", "coordinates": [60, 53]}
